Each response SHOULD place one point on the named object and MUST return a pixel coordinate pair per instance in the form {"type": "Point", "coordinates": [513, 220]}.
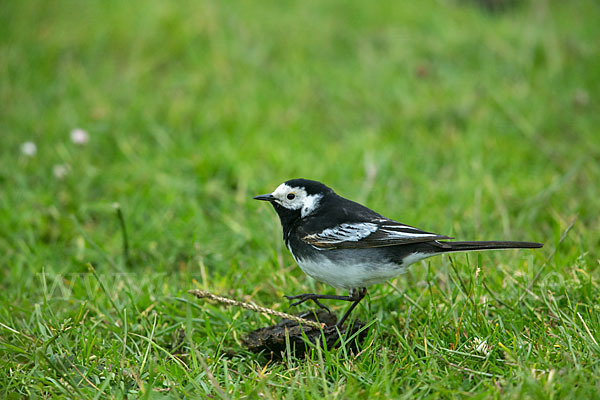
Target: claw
{"type": "Point", "coordinates": [322, 306]}
{"type": "Point", "coordinates": [305, 297]}
{"type": "Point", "coordinates": [297, 303]}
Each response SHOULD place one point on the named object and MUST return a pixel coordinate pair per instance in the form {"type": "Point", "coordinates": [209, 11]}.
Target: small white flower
{"type": "Point", "coordinates": [79, 136]}
{"type": "Point", "coordinates": [29, 149]}
{"type": "Point", "coordinates": [481, 346]}
{"type": "Point", "coordinates": [61, 170]}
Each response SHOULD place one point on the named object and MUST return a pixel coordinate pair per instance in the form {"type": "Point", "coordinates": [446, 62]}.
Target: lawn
{"type": "Point", "coordinates": [444, 115]}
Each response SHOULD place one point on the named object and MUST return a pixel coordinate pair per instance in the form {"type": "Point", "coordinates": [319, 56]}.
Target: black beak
{"type": "Point", "coordinates": [265, 197]}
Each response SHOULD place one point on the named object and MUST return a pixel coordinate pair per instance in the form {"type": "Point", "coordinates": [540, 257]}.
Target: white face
{"type": "Point", "coordinates": [296, 198]}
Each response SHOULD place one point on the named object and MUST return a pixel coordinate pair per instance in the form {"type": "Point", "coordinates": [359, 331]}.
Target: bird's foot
{"type": "Point", "coordinates": [305, 297]}
{"type": "Point", "coordinates": [356, 295]}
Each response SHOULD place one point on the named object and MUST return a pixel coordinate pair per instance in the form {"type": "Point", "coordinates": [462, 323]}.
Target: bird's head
{"type": "Point", "coordinates": [296, 198]}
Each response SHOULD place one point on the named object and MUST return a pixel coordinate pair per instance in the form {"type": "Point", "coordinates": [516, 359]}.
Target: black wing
{"type": "Point", "coordinates": [378, 232]}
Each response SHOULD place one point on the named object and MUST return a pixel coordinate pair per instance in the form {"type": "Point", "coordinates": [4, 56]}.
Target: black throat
{"type": "Point", "coordinates": [289, 218]}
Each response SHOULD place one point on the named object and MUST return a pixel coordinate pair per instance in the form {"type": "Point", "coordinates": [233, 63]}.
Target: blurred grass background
{"type": "Point", "coordinates": [441, 114]}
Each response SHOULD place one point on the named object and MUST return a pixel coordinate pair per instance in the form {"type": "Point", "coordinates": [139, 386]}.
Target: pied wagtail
{"type": "Point", "coordinates": [349, 246]}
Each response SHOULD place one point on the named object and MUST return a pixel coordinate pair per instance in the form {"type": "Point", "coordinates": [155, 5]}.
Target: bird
{"type": "Point", "coordinates": [349, 246]}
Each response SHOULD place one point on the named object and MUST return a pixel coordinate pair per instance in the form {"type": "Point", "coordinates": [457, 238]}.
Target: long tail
{"type": "Point", "coordinates": [487, 245]}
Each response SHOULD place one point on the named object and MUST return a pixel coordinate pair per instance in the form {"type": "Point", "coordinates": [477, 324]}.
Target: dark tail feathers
{"type": "Point", "coordinates": [487, 245]}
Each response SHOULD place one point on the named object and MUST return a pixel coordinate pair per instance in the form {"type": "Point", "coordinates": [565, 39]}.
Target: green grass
{"type": "Point", "coordinates": [438, 114]}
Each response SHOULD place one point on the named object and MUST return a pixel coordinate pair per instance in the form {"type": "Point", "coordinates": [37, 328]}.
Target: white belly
{"type": "Point", "coordinates": [353, 273]}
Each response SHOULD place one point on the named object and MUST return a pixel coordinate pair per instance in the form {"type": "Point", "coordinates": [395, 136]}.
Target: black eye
{"type": "Point", "coordinates": [291, 196]}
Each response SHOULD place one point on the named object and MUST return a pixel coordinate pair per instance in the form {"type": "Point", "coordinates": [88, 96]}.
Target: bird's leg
{"type": "Point", "coordinates": [316, 297]}
{"type": "Point", "coordinates": [357, 295]}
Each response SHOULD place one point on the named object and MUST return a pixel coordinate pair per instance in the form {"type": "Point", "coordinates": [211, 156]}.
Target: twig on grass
{"type": "Point", "coordinates": [203, 294]}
